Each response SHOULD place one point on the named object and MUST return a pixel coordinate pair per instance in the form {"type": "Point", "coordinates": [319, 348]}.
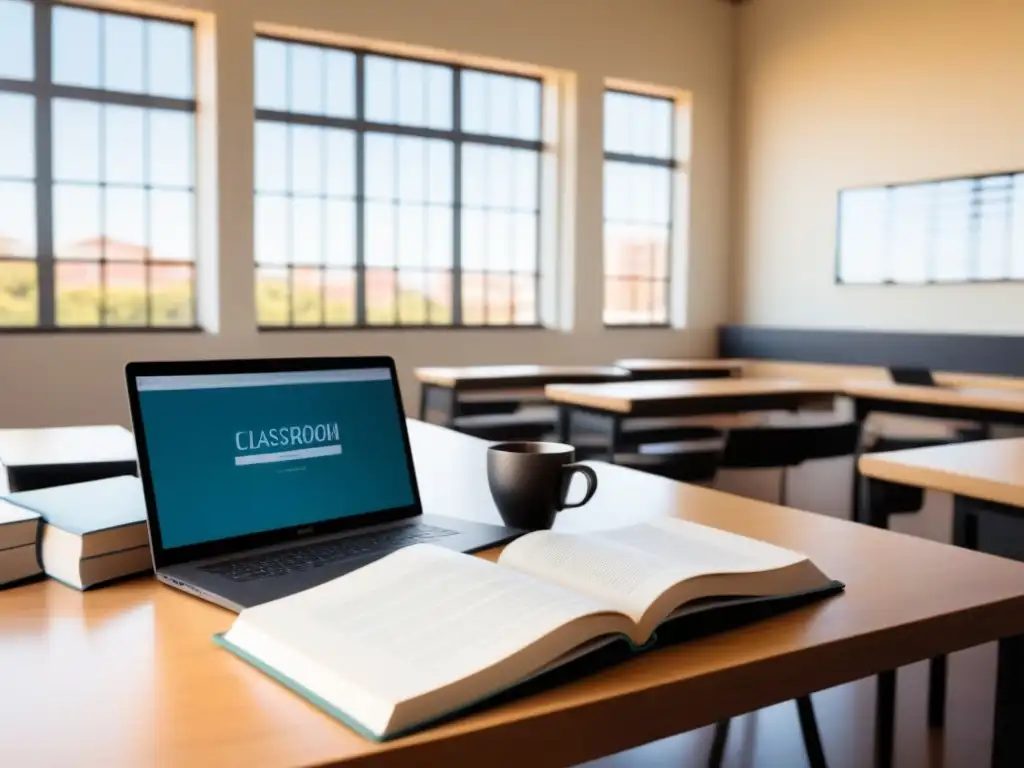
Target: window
{"type": "Point", "coordinates": [639, 178]}
{"type": "Point", "coordinates": [97, 160]}
{"type": "Point", "coordinates": [393, 192]}
{"type": "Point", "coordinates": [949, 230]}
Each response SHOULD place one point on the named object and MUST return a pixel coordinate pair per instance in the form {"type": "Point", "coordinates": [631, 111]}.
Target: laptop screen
{"type": "Point", "coordinates": [242, 453]}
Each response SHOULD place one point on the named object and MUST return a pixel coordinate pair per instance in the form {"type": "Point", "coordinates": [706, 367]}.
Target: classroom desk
{"type": "Point", "coordinates": [128, 675]}
{"type": "Point", "coordinates": [651, 368]}
{"type": "Point", "coordinates": [987, 406]}
{"type": "Point", "coordinates": [442, 389]}
{"type": "Point", "coordinates": [605, 408]}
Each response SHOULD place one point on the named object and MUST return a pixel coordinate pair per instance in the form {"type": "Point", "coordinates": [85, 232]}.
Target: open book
{"type": "Point", "coordinates": [425, 631]}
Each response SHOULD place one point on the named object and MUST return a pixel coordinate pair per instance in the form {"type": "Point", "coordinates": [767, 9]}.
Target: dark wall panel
{"type": "Point", "coordinates": [967, 353]}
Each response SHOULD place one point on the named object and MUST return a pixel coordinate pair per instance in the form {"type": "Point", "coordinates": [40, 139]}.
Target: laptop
{"type": "Point", "coordinates": [266, 477]}
{"type": "Point", "coordinates": [921, 377]}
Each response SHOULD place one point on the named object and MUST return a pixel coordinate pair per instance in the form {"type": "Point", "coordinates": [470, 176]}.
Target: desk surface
{"type": "Point", "coordinates": [648, 365]}
{"type": "Point", "coordinates": [128, 675]}
{"type": "Point", "coordinates": [624, 397]}
{"type": "Point", "coordinates": [1002, 400]}
{"type": "Point", "coordinates": [490, 376]}
{"type": "Point", "coordinates": [65, 445]}
{"type": "Point", "coordinates": [991, 470]}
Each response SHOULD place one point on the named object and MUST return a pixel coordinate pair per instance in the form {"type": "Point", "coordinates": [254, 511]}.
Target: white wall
{"type": "Point", "coordinates": [686, 44]}
{"type": "Point", "coordinates": [839, 93]}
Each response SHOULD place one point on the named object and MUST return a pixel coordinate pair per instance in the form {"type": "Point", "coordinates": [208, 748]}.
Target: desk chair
{"type": "Point", "coordinates": [784, 447]}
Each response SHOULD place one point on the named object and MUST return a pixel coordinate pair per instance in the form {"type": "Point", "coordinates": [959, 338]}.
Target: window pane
{"type": "Point", "coordinates": [16, 38]}
{"type": "Point", "coordinates": [524, 178]}
{"type": "Point", "coordinates": [273, 292]}
{"type": "Point", "coordinates": [527, 105]}
{"type": "Point", "coordinates": [17, 136]}
{"type": "Point", "coordinates": [173, 234]}
{"type": "Point", "coordinates": [124, 300]}
{"type": "Point", "coordinates": [76, 140]}
{"type": "Point", "coordinates": [341, 84]}
{"type": "Point", "coordinates": [412, 92]}
{"type": "Point", "coordinates": [341, 163]}
{"type": "Point", "coordinates": [412, 233]}
{"type": "Point", "coordinates": [439, 247]}
{"type": "Point", "coordinates": [412, 156]}
{"type": "Point", "coordinates": [499, 237]}
{"type": "Point", "coordinates": [307, 79]}
{"type": "Point", "coordinates": [474, 240]}
{"type": "Point", "coordinates": [380, 89]}
{"type": "Point", "coordinates": [307, 297]}
{"type": "Point", "coordinates": [439, 297]}
{"type": "Point", "coordinates": [381, 290]}
{"type": "Point", "coordinates": [171, 156]}
{"type": "Point", "coordinates": [123, 44]}
{"type": "Point", "coordinates": [125, 224]}
{"type": "Point", "coordinates": [76, 222]}
{"type": "Point", "coordinates": [439, 171]}
{"type": "Point", "coordinates": [17, 219]}
{"type": "Point", "coordinates": [380, 166]}
{"type": "Point", "coordinates": [171, 295]}
{"type": "Point", "coordinates": [474, 174]}
{"type": "Point", "coordinates": [339, 297]}
{"type": "Point", "coordinates": [439, 98]}
{"type": "Point", "coordinates": [76, 47]}
{"type": "Point", "coordinates": [170, 60]}
{"type": "Point", "coordinates": [123, 153]}
{"type": "Point", "coordinates": [412, 298]}
{"type": "Point", "coordinates": [499, 177]}
{"type": "Point", "coordinates": [272, 226]}
{"type": "Point", "coordinates": [474, 102]}
{"type": "Point", "coordinates": [307, 231]}
{"type": "Point", "coordinates": [861, 235]}
{"type": "Point", "coordinates": [525, 297]}
{"type": "Point", "coordinates": [474, 302]}
{"type": "Point", "coordinates": [524, 242]}
{"type": "Point", "coordinates": [77, 294]}
{"type": "Point", "coordinates": [19, 293]}
{"type": "Point", "coordinates": [307, 161]}
{"type": "Point", "coordinates": [271, 156]}
{"type": "Point", "coordinates": [499, 299]}
{"type": "Point", "coordinates": [340, 249]}
{"type": "Point", "coordinates": [271, 72]}
{"type": "Point", "coordinates": [501, 105]}
{"type": "Point", "coordinates": [380, 235]}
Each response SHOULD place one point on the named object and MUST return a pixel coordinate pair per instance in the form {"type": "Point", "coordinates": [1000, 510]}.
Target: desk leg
{"type": "Point", "coordinates": [1007, 735]}
{"type": "Point", "coordinates": [441, 400]}
{"type": "Point", "coordinates": [564, 429]}
{"type": "Point", "coordinates": [857, 502]}
{"type": "Point", "coordinates": [885, 719]}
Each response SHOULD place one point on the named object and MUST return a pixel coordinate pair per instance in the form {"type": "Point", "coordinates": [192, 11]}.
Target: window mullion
{"type": "Point", "coordinates": [44, 165]}
{"type": "Point", "coordinates": [360, 201]}
{"type": "Point", "coordinates": [457, 198]}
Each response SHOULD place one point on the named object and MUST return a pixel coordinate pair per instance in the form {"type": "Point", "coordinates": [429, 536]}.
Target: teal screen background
{"type": "Point", "coordinates": [201, 495]}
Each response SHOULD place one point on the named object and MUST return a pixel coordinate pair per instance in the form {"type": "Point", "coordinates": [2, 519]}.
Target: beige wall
{"type": "Point", "coordinates": [837, 93]}
{"type": "Point", "coordinates": [686, 44]}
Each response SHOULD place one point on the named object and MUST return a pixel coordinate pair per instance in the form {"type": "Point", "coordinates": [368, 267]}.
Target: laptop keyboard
{"type": "Point", "coordinates": [305, 557]}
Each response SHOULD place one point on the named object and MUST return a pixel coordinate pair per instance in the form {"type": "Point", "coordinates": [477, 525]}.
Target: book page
{"type": "Point", "coordinates": [414, 622]}
{"type": "Point", "coordinates": [633, 567]}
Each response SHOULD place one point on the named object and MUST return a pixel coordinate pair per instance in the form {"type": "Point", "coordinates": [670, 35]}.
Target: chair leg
{"type": "Point", "coordinates": [937, 692]}
{"type": "Point", "coordinates": [718, 744]}
{"type": "Point", "coordinates": [885, 719]}
{"type": "Point", "coordinates": [809, 729]}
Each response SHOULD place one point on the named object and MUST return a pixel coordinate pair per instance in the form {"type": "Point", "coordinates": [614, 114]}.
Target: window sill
{"type": "Point", "coordinates": [99, 330]}
{"type": "Point", "coordinates": [360, 328]}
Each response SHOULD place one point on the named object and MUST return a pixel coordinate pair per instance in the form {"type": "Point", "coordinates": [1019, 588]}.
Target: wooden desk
{"type": "Point", "coordinates": [650, 368]}
{"type": "Point", "coordinates": [128, 675]}
{"type": "Point", "coordinates": [604, 408]}
{"type": "Point", "coordinates": [443, 389]}
{"type": "Point", "coordinates": [989, 470]}
{"type": "Point", "coordinates": [35, 458]}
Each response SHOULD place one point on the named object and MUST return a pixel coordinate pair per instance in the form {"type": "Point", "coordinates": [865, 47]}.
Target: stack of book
{"type": "Point", "coordinates": [92, 532]}
{"type": "Point", "coordinates": [19, 537]}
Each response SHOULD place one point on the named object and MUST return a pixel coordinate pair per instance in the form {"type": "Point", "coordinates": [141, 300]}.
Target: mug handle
{"type": "Point", "coordinates": [567, 472]}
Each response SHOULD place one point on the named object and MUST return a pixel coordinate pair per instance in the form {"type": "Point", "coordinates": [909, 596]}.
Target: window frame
{"type": "Point", "coordinates": [674, 166]}
{"type": "Point", "coordinates": [976, 181]}
{"type": "Point", "coordinates": [360, 127]}
{"type": "Point", "coordinates": [45, 92]}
